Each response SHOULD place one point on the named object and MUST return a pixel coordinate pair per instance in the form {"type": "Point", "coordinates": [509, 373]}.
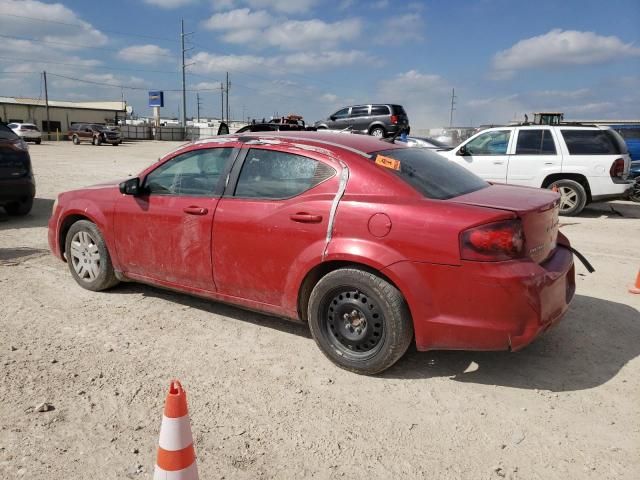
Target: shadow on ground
{"type": "Point", "coordinates": [587, 348]}
{"type": "Point", "coordinates": [15, 256]}
{"type": "Point", "coordinates": [38, 217]}
{"type": "Point", "coordinates": [617, 210]}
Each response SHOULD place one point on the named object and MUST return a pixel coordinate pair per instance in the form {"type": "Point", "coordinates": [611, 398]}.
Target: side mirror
{"type": "Point", "coordinates": [130, 187]}
{"type": "Point", "coordinates": [332, 117]}
{"type": "Point", "coordinates": [462, 151]}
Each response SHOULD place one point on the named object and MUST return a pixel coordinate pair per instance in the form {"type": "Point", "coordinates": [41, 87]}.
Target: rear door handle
{"type": "Point", "coordinates": [303, 217]}
{"type": "Point", "coordinates": [195, 210]}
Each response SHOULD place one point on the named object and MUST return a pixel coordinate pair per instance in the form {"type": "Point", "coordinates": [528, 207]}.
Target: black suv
{"type": "Point", "coordinates": [17, 185]}
{"type": "Point", "coordinates": [379, 120]}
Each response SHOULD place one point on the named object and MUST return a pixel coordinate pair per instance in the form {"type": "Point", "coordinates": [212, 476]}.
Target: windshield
{"type": "Point", "coordinates": [6, 133]}
{"type": "Point", "coordinates": [100, 128]}
{"type": "Point", "coordinates": [429, 173]}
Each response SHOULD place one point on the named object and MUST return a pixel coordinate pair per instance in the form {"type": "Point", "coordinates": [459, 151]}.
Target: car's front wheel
{"type": "Point", "coordinates": [38, 141]}
{"type": "Point", "coordinates": [20, 208]}
{"type": "Point", "coordinates": [573, 196]}
{"type": "Point", "coordinates": [88, 258]}
{"type": "Point", "coordinates": [360, 321]}
{"type": "Point", "coordinates": [76, 140]}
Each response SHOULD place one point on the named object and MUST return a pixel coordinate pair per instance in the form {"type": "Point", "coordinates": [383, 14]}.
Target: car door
{"type": "Point", "coordinates": [486, 154]}
{"type": "Point", "coordinates": [339, 120]}
{"type": "Point", "coordinates": [359, 118]}
{"type": "Point", "coordinates": [164, 234]}
{"type": "Point", "coordinates": [274, 219]}
{"type": "Point", "coordinates": [534, 157]}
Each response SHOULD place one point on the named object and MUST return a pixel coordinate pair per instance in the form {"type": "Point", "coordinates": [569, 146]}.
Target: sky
{"type": "Point", "coordinates": [504, 58]}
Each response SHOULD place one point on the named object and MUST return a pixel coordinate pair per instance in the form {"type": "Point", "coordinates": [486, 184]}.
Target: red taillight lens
{"type": "Point", "coordinates": [394, 119]}
{"type": "Point", "coordinates": [617, 169]}
{"type": "Point", "coordinates": [493, 242]}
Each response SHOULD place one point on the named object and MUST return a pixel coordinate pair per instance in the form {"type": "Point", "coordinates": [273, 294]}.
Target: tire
{"type": "Point", "coordinates": [573, 196]}
{"type": "Point", "coordinates": [76, 140]}
{"type": "Point", "coordinates": [634, 196]}
{"type": "Point", "coordinates": [115, 144]}
{"type": "Point", "coordinates": [97, 140]}
{"type": "Point", "coordinates": [19, 209]}
{"type": "Point", "coordinates": [377, 132]}
{"type": "Point", "coordinates": [39, 141]}
{"type": "Point", "coordinates": [88, 258]}
{"type": "Point", "coordinates": [360, 321]}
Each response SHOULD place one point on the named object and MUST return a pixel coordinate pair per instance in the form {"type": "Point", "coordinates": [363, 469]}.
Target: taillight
{"type": "Point", "coordinates": [617, 169]}
{"type": "Point", "coordinates": [394, 119]}
{"type": "Point", "coordinates": [493, 242]}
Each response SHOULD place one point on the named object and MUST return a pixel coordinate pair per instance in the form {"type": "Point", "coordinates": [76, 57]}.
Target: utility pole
{"type": "Point", "coordinates": [183, 113]}
{"type": "Point", "coordinates": [221, 102]}
{"type": "Point", "coordinates": [453, 102]}
{"type": "Point", "coordinates": [228, 84]}
{"type": "Point", "coordinates": [198, 104]}
{"type": "Point", "coordinates": [46, 103]}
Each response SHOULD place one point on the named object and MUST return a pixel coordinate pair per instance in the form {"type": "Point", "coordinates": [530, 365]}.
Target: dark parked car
{"type": "Point", "coordinates": [17, 184]}
{"type": "Point", "coordinates": [379, 120]}
{"type": "Point", "coordinates": [93, 133]}
{"type": "Point", "coordinates": [373, 244]}
{"type": "Point", "coordinates": [270, 127]}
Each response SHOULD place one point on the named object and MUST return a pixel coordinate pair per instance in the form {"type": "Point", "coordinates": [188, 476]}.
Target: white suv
{"type": "Point", "coordinates": [583, 163]}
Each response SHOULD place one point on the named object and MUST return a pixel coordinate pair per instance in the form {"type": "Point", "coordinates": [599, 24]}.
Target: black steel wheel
{"type": "Point", "coordinates": [19, 208]}
{"type": "Point", "coordinates": [360, 321]}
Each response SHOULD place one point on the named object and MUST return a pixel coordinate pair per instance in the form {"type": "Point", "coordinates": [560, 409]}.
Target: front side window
{"type": "Point", "coordinates": [344, 113]}
{"type": "Point", "coordinates": [594, 142]}
{"type": "Point", "coordinates": [278, 175]}
{"type": "Point", "coordinates": [197, 173]}
{"type": "Point", "coordinates": [489, 143]}
{"type": "Point", "coordinates": [535, 142]}
{"type": "Point", "coordinates": [359, 111]}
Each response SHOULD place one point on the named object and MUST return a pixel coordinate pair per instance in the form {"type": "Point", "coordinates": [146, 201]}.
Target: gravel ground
{"type": "Point", "coordinates": [265, 403]}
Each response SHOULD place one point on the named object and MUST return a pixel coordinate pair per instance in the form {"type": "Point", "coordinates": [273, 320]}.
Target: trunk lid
{"type": "Point", "coordinates": [536, 208]}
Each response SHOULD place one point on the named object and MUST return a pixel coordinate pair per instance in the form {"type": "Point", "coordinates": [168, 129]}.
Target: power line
{"type": "Point", "coordinates": [115, 32]}
{"type": "Point", "coordinates": [81, 65]}
{"type": "Point", "coordinates": [49, 42]}
{"type": "Point", "coordinates": [126, 87]}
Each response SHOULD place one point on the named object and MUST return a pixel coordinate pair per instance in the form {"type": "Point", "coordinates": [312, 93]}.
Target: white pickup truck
{"type": "Point", "coordinates": [583, 163]}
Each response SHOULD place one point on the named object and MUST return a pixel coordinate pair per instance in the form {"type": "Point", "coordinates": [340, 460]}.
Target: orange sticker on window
{"type": "Point", "coordinates": [388, 162]}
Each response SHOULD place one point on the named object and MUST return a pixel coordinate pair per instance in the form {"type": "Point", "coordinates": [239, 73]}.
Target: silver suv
{"type": "Point", "coordinates": [379, 120]}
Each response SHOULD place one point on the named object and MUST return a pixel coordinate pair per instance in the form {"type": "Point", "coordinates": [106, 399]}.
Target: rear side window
{"type": "Point", "coordinates": [535, 142]}
{"type": "Point", "coordinates": [379, 110]}
{"type": "Point", "coordinates": [359, 111]}
{"type": "Point", "coordinates": [279, 175]}
{"type": "Point", "coordinates": [429, 173]}
{"type": "Point", "coordinates": [398, 110]}
{"type": "Point", "coordinates": [594, 142]}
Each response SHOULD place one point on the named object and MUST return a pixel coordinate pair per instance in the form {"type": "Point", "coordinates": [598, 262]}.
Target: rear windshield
{"type": "Point", "coordinates": [6, 133]}
{"type": "Point", "coordinates": [398, 110]}
{"type": "Point", "coordinates": [429, 173]}
{"type": "Point", "coordinates": [594, 142]}
{"type": "Point", "coordinates": [29, 127]}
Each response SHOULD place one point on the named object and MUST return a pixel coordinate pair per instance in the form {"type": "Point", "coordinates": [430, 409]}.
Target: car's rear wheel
{"type": "Point", "coordinates": [377, 132]}
{"type": "Point", "coordinates": [97, 140]}
{"type": "Point", "coordinates": [360, 321]}
{"type": "Point", "coordinates": [88, 258]}
{"type": "Point", "coordinates": [20, 208]}
{"type": "Point", "coordinates": [634, 196]}
{"type": "Point", "coordinates": [573, 196]}
{"type": "Point", "coordinates": [38, 141]}
{"type": "Point", "coordinates": [76, 140]}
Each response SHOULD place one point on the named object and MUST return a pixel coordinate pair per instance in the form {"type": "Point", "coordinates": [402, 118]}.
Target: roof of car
{"type": "Point", "coordinates": [364, 144]}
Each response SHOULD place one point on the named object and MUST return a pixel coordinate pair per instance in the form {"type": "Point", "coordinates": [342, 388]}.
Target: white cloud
{"type": "Point", "coordinates": [284, 6]}
{"type": "Point", "coordinates": [560, 48]}
{"type": "Point", "coordinates": [326, 59]}
{"type": "Point", "coordinates": [207, 63]}
{"type": "Point", "coordinates": [68, 38]}
{"type": "Point", "coordinates": [303, 34]}
{"type": "Point", "coordinates": [169, 4]}
{"type": "Point", "coordinates": [240, 25]}
{"type": "Point", "coordinates": [329, 98]}
{"type": "Point", "coordinates": [145, 54]}
{"type": "Point", "coordinates": [401, 29]}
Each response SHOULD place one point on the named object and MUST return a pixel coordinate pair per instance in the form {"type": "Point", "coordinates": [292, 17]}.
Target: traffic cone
{"type": "Point", "coordinates": [176, 456]}
{"type": "Point", "coordinates": [636, 288]}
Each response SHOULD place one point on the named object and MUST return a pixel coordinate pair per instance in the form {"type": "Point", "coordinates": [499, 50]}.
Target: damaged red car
{"type": "Point", "coordinates": [371, 243]}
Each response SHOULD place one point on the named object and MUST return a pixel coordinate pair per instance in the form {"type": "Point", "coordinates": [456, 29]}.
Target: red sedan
{"type": "Point", "coordinates": [371, 243]}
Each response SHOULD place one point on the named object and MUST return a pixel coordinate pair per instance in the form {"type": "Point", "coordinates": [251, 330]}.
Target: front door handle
{"type": "Point", "coordinates": [195, 210]}
{"type": "Point", "coordinates": [303, 217]}
{"type": "Point", "coordinates": [498, 162]}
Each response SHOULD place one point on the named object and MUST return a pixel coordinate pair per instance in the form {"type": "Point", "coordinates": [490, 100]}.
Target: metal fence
{"type": "Point", "coordinates": [177, 133]}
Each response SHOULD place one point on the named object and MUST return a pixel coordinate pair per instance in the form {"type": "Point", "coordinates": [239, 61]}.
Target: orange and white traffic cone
{"type": "Point", "coordinates": [176, 456]}
{"type": "Point", "coordinates": [636, 288]}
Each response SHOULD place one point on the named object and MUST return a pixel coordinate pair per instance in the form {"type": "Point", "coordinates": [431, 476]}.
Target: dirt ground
{"type": "Point", "coordinates": [265, 403]}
